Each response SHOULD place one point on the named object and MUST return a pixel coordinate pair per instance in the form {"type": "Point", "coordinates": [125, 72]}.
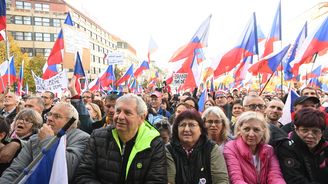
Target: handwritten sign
{"type": "Point", "coordinates": [55, 84]}
{"type": "Point", "coordinates": [179, 78]}
{"type": "Point", "coordinates": [115, 58]}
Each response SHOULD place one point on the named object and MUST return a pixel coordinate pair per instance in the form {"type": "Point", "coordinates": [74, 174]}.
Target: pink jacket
{"type": "Point", "coordinates": [240, 165]}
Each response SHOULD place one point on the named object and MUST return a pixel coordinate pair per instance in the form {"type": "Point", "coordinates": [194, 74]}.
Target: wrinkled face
{"type": "Point", "coordinates": [92, 112]}
{"type": "Point", "coordinates": [221, 101]}
{"type": "Point", "coordinates": [180, 109]}
{"type": "Point", "coordinates": [110, 109]}
{"type": "Point", "coordinates": [237, 109]}
{"type": "Point", "coordinates": [274, 110]}
{"type": "Point", "coordinates": [57, 117]}
{"type": "Point", "coordinates": [10, 99]}
{"type": "Point", "coordinates": [32, 104]}
{"type": "Point", "coordinates": [23, 126]}
{"type": "Point", "coordinates": [47, 100]}
{"type": "Point", "coordinates": [87, 97]}
{"type": "Point", "coordinates": [188, 132]}
{"type": "Point", "coordinates": [309, 92]}
{"type": "Point", "coordinates": [310, 135]}
{"type": "Point", "coordinates": [214, 124]}
{"type": "Point", "coordinates": [252, 133]}
{"type": "Point", "coordinates": [126, 118]}
{"type": "Point", "coordinates": [255, 104]}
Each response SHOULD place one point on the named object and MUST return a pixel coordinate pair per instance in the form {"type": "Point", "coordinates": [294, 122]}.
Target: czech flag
{"type": "Point", "coordinates": [126, 76]}
{"type": "Point", "coordinates": [9, 77]}
{"type": "Point", "coordinates": [3, 20]}
{"type": "Point", "coordinates": [144, 66]}
{"type": "Point", "coordinates": [288, 110]}
{"type": "Point", "coordinates": [108, 77]}
{"type": "Point", "coordinates": [269, 64]}
{"type": "Point", "coordinates": [20, 81]}
{"type": "Point", "coordinates": [317, 43]}
{"type": "Point", "coordinates": [246, 46]}
{"type": "Point", "coordinates": [78, 73]}
{"type": "Point", "coordinates": [314, 73]}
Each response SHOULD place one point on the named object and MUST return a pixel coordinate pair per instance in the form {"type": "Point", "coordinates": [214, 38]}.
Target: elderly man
{"type": "Point", "coordinates": [256, 103]}
{"type": "Point", "coordinates": [130, 152]}
{"type": "Point", "coordinates": [10, 107]}
{"type": "Point", "coordinates": [75, 145]}
{"type": "Point", "coordinates": [221, 101]}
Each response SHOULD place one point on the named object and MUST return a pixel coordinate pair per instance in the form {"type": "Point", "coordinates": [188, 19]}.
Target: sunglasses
{"type": "Point", "coordinates": [162, 126]}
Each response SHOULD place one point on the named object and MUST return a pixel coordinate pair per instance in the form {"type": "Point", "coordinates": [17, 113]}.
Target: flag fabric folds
{"type": "Point", "coordinates": [314, 73]}
{"type": "Point", "coordinates": [9, 76]}
{"type": "Point", "coordinates": [56, 57]}
{"type": "Point", "coordinates": [78, 73]}
{"type": "Point", "coordinates": [246, 46]}
{"type": "Point", "coordinates": [316, 43]}
{"type": "Point", "coordinates": [128, 74]}
{"type": "Point", "coordinates": [3, 24]}
{"type": "Point", "coordinates": [107, 78]}
{"type": "Point", "coordinates": [269, 64]}
{"type": "Point", "coordinates": [20, 81]}
{"type": "Point", "coordinates": [152, 47]}
{"type": "Point", "coordinates": [288, 110]}
{"type": "Point", "coordinates": [52, 168]}
{"type": "Point", "coordinates": [201, 101]}
{"type": "Point", "coordinates": [144, 66]}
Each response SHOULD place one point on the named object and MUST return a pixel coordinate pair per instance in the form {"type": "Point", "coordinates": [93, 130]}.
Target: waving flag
{"type": "Point", "coordinates": [52, 168]}
{"type": "Point", "coordinates": [152, 47]}
{"type": "Point", "coordinates": [199, 40]}
{"type": "Point", "coordinates": [201, 101]}
{"type": "Point", "coordinates": [144, 66]}
{"type": "Point", "coordinates": [94, 85]}
{"type": "Point", "coordinates": [3, 24]}
{"type": "Point", "coordinates": [269, 64]}
{"type": "Point", "coordinates": [288, 110]}
{"type": "Point", "coordinates": [128, 74]}
{"type": "Point", "coordinates": [247, 46]}
{"type": "Point", "coordinates": [275, 34]}
{"type": "Point", "coordinates": [9, 76]}
{"type": "Point", "coordinates": [108, 77]}
{"type": "Point", "coordinates": [314, 73]}
{"type": "Point", "coordinates": [20, 81]}
{"type": "Point", "coordinates": [296, 46]}
{"type": "Point", "coordinates": [56, 57]}
{"type": "Point", "coordinates": [317, 43]}
{"type": "Point", "coordinates": [78, 73]}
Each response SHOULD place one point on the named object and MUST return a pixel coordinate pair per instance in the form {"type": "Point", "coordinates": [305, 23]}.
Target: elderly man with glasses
{"type": "Point", "coordinates": [76, 140]}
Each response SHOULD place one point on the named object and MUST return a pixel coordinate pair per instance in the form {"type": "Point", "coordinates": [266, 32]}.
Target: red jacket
{"type": "Point", "coordinates": [240, 165]}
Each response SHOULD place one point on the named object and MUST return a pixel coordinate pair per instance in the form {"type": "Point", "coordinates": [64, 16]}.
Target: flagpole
{"type": "Point", "coordinates": [265, 84]}
{"type": "Point", "coordinates": [7, 58]}
{"type": "Point", "coordinates": [29, 168]}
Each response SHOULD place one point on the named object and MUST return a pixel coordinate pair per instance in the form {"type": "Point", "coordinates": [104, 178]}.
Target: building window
{"type": "Point", "coordinates": [27, 36]}
{"type": "Point", "coordinates": [18, 20]}
{"type": "Point", "coordinates": [38, 7]}
{"type": "Point", "coordinates": [45, 7]}
{"type": "Point", "coordinates": [19, 5]}
{"type": "Point", "coordinates": [38, 36]}
{"type": "Point", "coordinates": [38, 21]}
{"type": "Point", "coordinates": [19, 36]}
{"type": "Point", "coordinates": [27, 20]}
{"type": "Point", "coordinates": [46, 37]}
{"type": "Point", "coordinates": [98, 59]}
{"type": "Point", "coordinates": [46, 21]}
{"type": "Point", "coordinates": [47, 52]}
{"type": "Point", "coordinates": [56, 22]}
{"type": "Point", "coordinates": [28, 51]}
{"type": "Point", "coordinates": [27, 5]}
{"type": "Point", "coordinates": [39, 51]}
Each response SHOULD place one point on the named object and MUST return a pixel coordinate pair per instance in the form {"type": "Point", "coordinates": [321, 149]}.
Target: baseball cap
{"type": "Point", "coordinates": [302, 99]}
{"type": "Point", "coordinates": [157, 94]}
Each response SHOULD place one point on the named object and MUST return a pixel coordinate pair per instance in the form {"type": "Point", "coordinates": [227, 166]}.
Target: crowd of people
{"type": "Point", "coordinates": [159, 137]}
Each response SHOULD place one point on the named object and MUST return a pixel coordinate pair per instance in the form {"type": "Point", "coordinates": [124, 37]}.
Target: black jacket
{"type": "Point", "coordinates": [301, 166]}
{"type": "Point", "coordinates": [190, 169]}
{"type": "Point", "coordinates": [102, 160]}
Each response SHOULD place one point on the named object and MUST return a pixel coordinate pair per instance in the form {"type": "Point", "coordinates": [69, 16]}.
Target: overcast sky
{"type": "Point", "coordinates": [172, 23]}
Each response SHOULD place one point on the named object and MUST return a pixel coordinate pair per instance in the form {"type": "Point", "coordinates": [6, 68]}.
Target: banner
{"type": "Point", "coordinates": [179, 78]}
{"type": "Point", "coordinates": [55, 84]}
{"type": "Point", "coordinates": [115, 58]}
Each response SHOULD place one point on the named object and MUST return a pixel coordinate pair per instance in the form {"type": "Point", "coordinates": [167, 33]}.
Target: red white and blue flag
{"type": "Point", "coordinates": [78, 73]}
{"type": "Point", "coordinates": [128, 74]}
{"type": "Point", "coordinates": [288, 110]}
{"type": "Point", "coordinates": [3, 24]}
{"type": "Point", "coordinates": [20, 81]}
{"type": "Point", "coordinates": [246, 46]}
{"type": "Point", "coordinates": [143, 66]}
{"type": "Point", "coordinates": [9, 76]}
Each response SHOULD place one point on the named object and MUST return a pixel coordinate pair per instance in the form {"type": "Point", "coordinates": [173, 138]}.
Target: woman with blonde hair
{"type": "Point", "coordinates": [217, 125]}
{"type": "Point", "coordinates": [94, 111]}
{"type": "Point", "coordinates": [249, 158]}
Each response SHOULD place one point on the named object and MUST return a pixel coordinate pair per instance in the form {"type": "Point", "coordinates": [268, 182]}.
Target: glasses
{"type": "Point", "coordinates": [55, 115]}
{"type": "Point", "coordinates": [25, 121]}
{"type": "Point", "coordinates": [314, 131]}
{"type": "Point", "coordinates": [215, 122]}
{"type": "Point", "coordinates": [190, 125]}
{"type": "Point", "coordinates": [162, 126]}
{"type": "Point", "coordinates": [254, 106]}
